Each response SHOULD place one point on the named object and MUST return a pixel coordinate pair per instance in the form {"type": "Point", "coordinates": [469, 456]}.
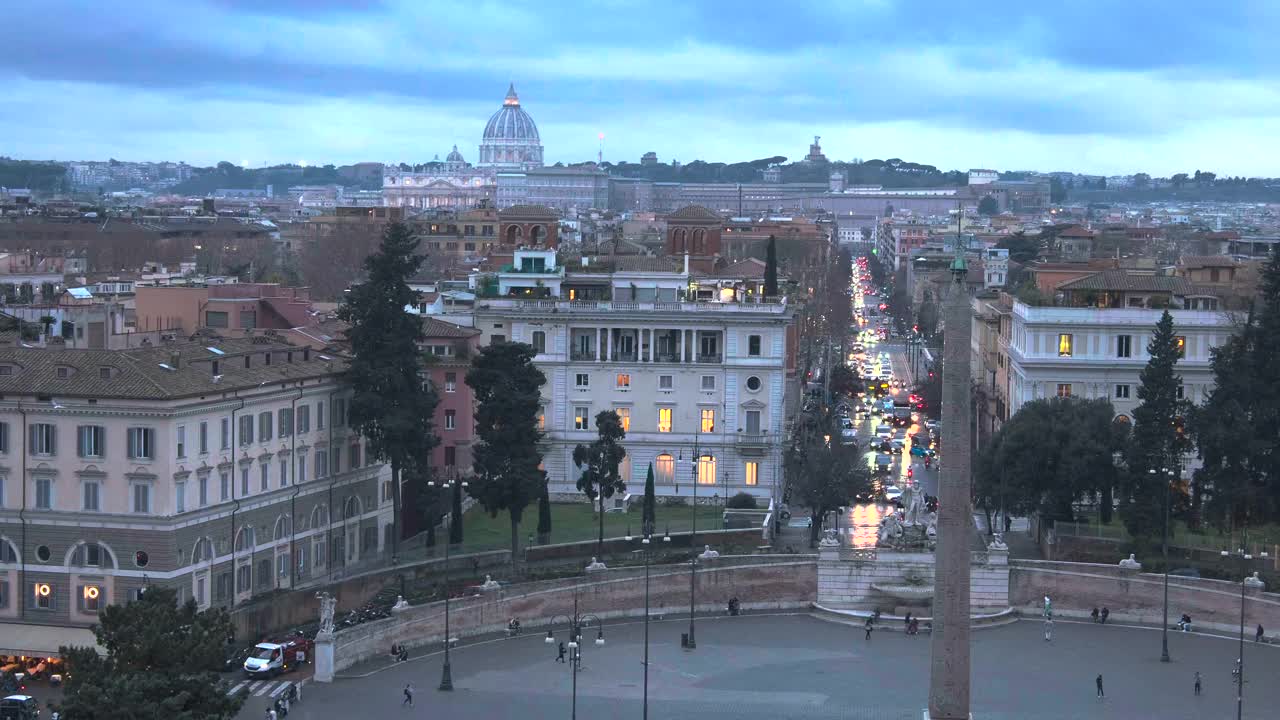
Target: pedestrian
{"type": "Point", "coordinates": [906, 621]}
{"type": "Point", "coordinates": [1098, 682]}
{"type": "Point", "coordinates": [1257, 636]}
{"type": "Point", "coordinates": [1197, 683]}
{"type": "Point", "coordinates": [1094, 614]}
{"type": "Point", "coordinates": [271, 713]}
{"type": "Point", "coordinates": [868, 628]}
{"type": "Point", "coordinates": [1048, 630]}
{"type": "Point", "coordinates": [1105, 614]}
{"type": "Point", "coordinates": [560, 656]}
{"type": "Point", "coordinates": [408, 695]}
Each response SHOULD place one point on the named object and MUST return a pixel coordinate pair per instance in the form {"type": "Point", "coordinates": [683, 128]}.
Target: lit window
{"type": "Point", "coordinates": [707, 470]}
{"type": "Point", "coordinates": [451, 382]}
{"type": "Point", "coordinates": [542, 418]}
{"type": "Point", "coordinates": [624, 381]}
{"type": "Point", "coordinates": [581, 421]}
{"type": "Point", "coordinates": [1064, 390]}
{"type": "Point", "coordinates": [664, 469]}
{"type": "Point", "coordinates": [708, 420]}
{"type": "Point", "coordinates": [752, 474]}
{"type": "Point", "coordinates": [1065, 344]}
{"type": "Point", "coordinates": [664, 420]}
{"type": "Point", "coordinates": [1180, 341]}
{"type": "Point", "coordinates": [624, 415]}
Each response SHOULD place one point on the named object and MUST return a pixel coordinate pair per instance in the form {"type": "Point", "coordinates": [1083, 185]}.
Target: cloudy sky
{"type": "Point", "coordinates": [1100, 86]}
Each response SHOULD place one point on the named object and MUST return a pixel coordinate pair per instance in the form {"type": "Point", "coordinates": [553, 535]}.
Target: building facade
{"type": "Point", "coordinates": [222, 469]}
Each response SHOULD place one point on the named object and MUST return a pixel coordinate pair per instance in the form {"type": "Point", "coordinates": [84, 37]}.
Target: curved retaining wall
{"type": "Point", "coordinates": [759, 582]}
{"type": "Point", "coordinates": [1138, 597]}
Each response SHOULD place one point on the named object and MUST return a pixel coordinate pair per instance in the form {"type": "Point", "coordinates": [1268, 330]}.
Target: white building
{"type": "Point", "coordinates": [680, 374]}
{"type": "Point", "coordinates": [995, 267]}
{"type": "Point", "coordinates": [1099, 352]}
{"type": "Point", "coordinates": [983, 177]}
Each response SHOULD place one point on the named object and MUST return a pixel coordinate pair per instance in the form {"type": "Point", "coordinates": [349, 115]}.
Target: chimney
{"type": "Point", "coordinates": [174, 359]}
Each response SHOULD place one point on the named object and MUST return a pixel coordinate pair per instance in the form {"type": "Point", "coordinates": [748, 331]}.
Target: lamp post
{"type": "Point", "coordinates": [1244, 582]}
{"type": "Point", "coordinates": [1164, 542]}
{"type": "Point", "coordinates": [446, 673]}
{"type": "Point", "coordinates": [647, 550]}
{"type": "Point", "coordinates": [692, 643]}
{"type": "Point", "coordinates": [575, 644]}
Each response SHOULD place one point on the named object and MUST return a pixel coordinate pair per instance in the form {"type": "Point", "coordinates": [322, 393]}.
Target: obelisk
{"type": "Point", "coordinates": [949, 669]}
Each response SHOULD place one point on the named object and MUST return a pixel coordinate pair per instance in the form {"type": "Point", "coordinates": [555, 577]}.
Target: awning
{"type": "Point", "coordinates": [42, 640]}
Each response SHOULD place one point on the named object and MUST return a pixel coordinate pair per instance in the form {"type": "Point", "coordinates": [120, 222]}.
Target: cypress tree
{"type": "Point", "coordinates": [771, 268]}
{"type": "Point", "coordinates": [649, 515]}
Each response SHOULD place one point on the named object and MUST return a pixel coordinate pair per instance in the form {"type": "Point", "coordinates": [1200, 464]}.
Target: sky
{"type": "Point", "coordinates": [1094, 86]}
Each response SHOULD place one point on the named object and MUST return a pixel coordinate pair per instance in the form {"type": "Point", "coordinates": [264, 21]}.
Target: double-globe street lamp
{"type": "Point", "coordinates": [691, 642]}
{"type": "Point", "coordinates": [1164, 543]}
{"type": "Point", "coordinates": [647, 551]}
{"type": "Point", "coordinates": [452, 485]}
{"type": "Point", "coordinates": [1245, 558]}
{"type": "Point", "coordinates": [575, 644]}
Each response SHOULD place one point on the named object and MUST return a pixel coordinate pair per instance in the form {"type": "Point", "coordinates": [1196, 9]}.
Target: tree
{"type": "Point", "coordinates": [507, 477]}
{"type": "Point", "coordinates": [599, 462]}
{"type": "Point", "coordinates": [162, 661]}
{"type": "Point", "coordinates": [1057, 191]}
{"type": "Point", "coordinates": [1021, 248]}
{"type": "Point", "coordinates": [1158, 441]}
{"type": "Point", "coordinates": [844, 381]}
{"type": "Point", "coordinates": [544, 516]}
{"type": "Point", "coordinates": [988, 206]}
{"type": "Point", "coordinates": [1051, 454]}
{"type": "Point", "coordinates": [771, 268]}
{"type": "Point", "coordinates": [826, 476]}
{"type": "Point", "coordinates": [391, 405]}
{"type": "Point", "coordinates": [648, 514]}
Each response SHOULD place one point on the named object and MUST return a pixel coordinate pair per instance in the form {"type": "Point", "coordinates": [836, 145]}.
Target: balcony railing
{"type": "Point", "coordinates": [622, 356]}
{"type": "Point", "coordinates": [544, 306]}
{"type": "Point", "coordinates": [589, 354]}
{"type": "Point", "coordinates": [753, 439]}
{"type": "Point", "coordinates": [717, 357]}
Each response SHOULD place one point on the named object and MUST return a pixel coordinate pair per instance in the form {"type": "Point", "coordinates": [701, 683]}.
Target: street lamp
{"type": "Point", "coordinates": [1244, 583]}
{"type": "Point", "coordinates": [575, 643]}
{"type": "Point", "coordinates": [446, 673]}
{"type": "Point", "coordinates": [1164, 542]}
{"type": "Point", "coordinates": [691, 643]}
{"type": "Point", "coordinates": [648, 557]}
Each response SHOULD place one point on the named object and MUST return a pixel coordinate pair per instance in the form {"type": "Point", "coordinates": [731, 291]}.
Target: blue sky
{"type": "Point", "coordinates": [1086, 85]}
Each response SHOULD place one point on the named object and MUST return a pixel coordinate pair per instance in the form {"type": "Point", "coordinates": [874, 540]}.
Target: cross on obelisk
{"type": "Point", "coordinates": [949, 671]}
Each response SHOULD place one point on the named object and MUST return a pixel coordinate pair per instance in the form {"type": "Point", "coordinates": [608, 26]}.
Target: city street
{"type": "Point", "coordinates": [799, 667]}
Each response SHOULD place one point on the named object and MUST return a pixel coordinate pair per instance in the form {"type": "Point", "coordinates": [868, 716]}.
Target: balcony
{"type": "Point", "coordinates": [622, 357]}
{"type": "Point", "coordinates": [667, 358]}
{"type": "Point", "coordinates": [710, 359]}
{"type": "Point", "coordinates": [579, 354]}
{"type": "Point", "coordinates": [750, 443]}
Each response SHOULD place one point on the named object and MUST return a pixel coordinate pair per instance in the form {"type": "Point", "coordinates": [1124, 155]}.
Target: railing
{"type": "Point", "coordinates": [582, 354]}
{"type": "Point", "coordinates": [749, 438]}
{"type": "Point", "coordinates": [540, 306]}
{"type": "Point", "coordinates": [710, 358]}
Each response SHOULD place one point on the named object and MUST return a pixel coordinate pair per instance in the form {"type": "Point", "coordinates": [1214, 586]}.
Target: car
{"type": "Point", "coordinates": [931, 425]}
{"type": "Point", "coordinates": [892, 494]}
{"type": "Point", "coordinates": [896, 446]}
{"type": "Point", "coordinates": [919, 451]}
{"type": "Point", "coordinates": [884, 432]}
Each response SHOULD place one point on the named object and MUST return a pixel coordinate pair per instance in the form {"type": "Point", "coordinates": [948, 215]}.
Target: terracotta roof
{"type": "Point", "coordinates": [140, 373]}
{"type": "Point", "coordinates": [694, 212]}
{"type": "Point", "coordinates": [1125, 281]}
{"type": "Point", "coordinates": [527, 211]}
{"type": "Point", "coordinates": [1207, 261]}
{"type": "Point", "coordinates": [433, 329]}
{"type": "Point", "coordinates": [629, 263]}
{"type": "Point", "coordinates": [751, 268]}
{"type": "Point", "coordinates": [1077, 231]}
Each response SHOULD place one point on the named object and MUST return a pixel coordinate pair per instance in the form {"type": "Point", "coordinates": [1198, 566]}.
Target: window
{"type": "Point", "coordinates": [4, 437]}
{"type": "Point", "coordinates": [497, 339]}
{"type": "Point", "coordinates": [753, 345]}
{"type": "Point", "coordinates": [284, 472]}
{"type": "Point", "coordinates": [244, 578]}
{"type": "Point", "coordinates": [302, 468]}
{"type": "Point", "coordinates": [204, 438]}
{"type": "Point", "coordinates": [751, 475]}
{"type": "Point", "coordinates": [753, 422]}
{"type": "Point", "coordinates": [320, 416]}
{"type": "Point", "coordinates": [141, 498]}
{"type": "Point", "coordinates": [180, 496]}
{"type": "Point", "coordinates": [1064, 390]}
{"type": "Point", "coordinates": [624, 381]}
{"type": "Point", "coordinates": [335, 460]}
{"type": "Point", "coordinates": [709, 347]}
{"type": "Point", "coordinates": [581, 419]}
{"type": "Point", "coordinates": [202, 484]}
{"type": "Point", "coordinates": [246, 429]}
{"type": "Point", "coordinates": [43, 439]}
{"type": "Point", "coordinates": [708, 420]}
{"type": "Point", "coordinates": [542, 418]}
{"type": "Point", "coordinates": [224, 485]}
{"type": "Point", "coordinates": [264, 477]}
{"type": "Point", "coordinates": [450, 419]}
{"type": "Point", "coordinates": [1066, 342]}
{"type": "Point", "coordinates": [224, 433]}
{"type": "Point", "coordinates": [284, 422]}
{"type": "Point", "coordinates": [1180, 341]}
{"type": "Point", "coordinates": [248, 319]}
{"type": "Point", "coordinates": [708, 382]}
{"type": "Point", "coordinates": [450, 456]}
{"type": "Point", "coordinates": [90, 598]}
{"type": "Point", "coordinates": [302, 419]}
{"type": "Point", "coordinates": [215, 319]}
{"type": "Point", "coordinates": [664, 419]}
{"type": "Point", "coordinates": [539, 341]}
{"type": "Point", "coordinates": [666, 382]}
{"type": "Point", "coordinates": [1182, 391]}
{"type": "Point", "coordinates": [244, 481]}
{"type": "Point", "coordinates": [44, 494]}
{"type": "Point", "coordinates": [664, 469]}
{"type": "Point", "coordinates": [43, 595]}
{"type": "Point", "coordinates": [1124, 346]}
{"type": "Point", "coordinates": [624, 415]}
{"type": "Point", "coordinates": [181, 435]}
{"type": "Point", "coordinates": [322, 464]}
{"type": "Point", "coordinates": [142, 443]}
{"type": "Point", "coordinates": [1122, 392]}
{"type": "Point", "coordinates": [340, 412]}
{"type": "Point", "coordinates": [264, 426]}
{"type": "Point", "coordinates": [354, 454]}
{"type": "Point", "coordinates": [90, 491]}
{"type": "Point", "coordinates": [91, 441]}
{"type": "Point", "coordinates": [753, 383]}
{"type": "Point", "coordinates": [450, 382]}
{"type": "Point", "coordinates": [582, 380]}
{"type": "Point", "coordinates": [707, 470]}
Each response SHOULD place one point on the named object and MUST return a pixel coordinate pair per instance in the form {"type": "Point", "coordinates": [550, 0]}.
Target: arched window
{"type": "Point", "coordinates": [203, 551]}
{"type": "Point", "coordinates": [707, 470]}
{"type": "Point", "coordinates": [536, 234]}
{"type": "Point", "coordinates": [351, 510]}
{"type": "Point", "coordinates": [91, 554]}
{"type": "Point", "coordinates": [283, 528]}
{"type": "Point", "coordinates": [320, 516]}
{"type": "Point", "coordinates": [514, 234]}
{"type": "Point", "coordinates": [8, 551]}
{"type": "Point", "coordinates": [699, 241]}
{"type": "Point", "coordinates": [678, 240]}
{"type": "Point", "coordinates": [664, 469]}
{"type": "Point", "coordinates": [244, 539]}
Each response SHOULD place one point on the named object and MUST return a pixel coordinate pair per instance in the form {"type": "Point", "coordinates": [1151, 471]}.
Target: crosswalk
{"type": "Point", "coordinates": [264, 688]}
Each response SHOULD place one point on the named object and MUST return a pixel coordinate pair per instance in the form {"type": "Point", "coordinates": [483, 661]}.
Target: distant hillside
{"type": "Point", "coordinates": [34, 175]}
{"type": "Point", "coordinates": [281, 177]}
{"type": "Point", "coordinates": [887, 173]}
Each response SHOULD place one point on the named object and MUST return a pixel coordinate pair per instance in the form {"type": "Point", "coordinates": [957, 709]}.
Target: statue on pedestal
{"type": "Point", "coordinates": [890, 529]}
{"type": "Point", "coordinates": [914, 511]}
{"type": "Point", "coordinates": [328, 604]}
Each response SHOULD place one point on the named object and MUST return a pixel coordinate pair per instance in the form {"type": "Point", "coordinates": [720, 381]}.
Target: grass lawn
{"type": "Point", "coordinates": [572, 522]}
{"type": "Point", "coordinates": [1179, 535]}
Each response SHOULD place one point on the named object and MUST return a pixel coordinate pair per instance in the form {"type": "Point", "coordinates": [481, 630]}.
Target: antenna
{"type": "Point", "coordinates": [600, 153]}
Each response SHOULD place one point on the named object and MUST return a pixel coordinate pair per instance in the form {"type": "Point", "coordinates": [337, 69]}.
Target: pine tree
{"type": "Point", "coordinates": [391, 405]}
{"type": "Point", "coordinates": [599, 462]}
{"type": "Point", "coordinates": [649, 515]}
{"type": "Point", "coordinates": [507, 476]}
{"type": "Point", "coordinates": [771, 268]}
{"type": "Point", "coordinates": [544, 516]}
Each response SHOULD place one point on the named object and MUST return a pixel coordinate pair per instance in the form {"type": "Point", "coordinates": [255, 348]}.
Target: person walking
{"type": "Point", "coordinates": [1048, 630]}
{"type": "Point", "coordinates": [271, 713]}
{"type": "Point", "coordinates": [560, 656]}
{"type": "Point", "coordinates": [1257, 636]}
{"type": "Point", "coordinates": [408, 695]}
{"type": "Point", "coordinates": [1098, 682]}
{"type": "Point", "coordinates": [868, 628]}
{"type": "Point", "coordinates": [1197, 683]}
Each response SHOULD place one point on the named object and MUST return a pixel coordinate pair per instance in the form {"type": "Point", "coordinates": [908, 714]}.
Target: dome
{"type": "Point", "coordinates": [510, 138]}
{"type": "Point", "coordinates": [455, 156]}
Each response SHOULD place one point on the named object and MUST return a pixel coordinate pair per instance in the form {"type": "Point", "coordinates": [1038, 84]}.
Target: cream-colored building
{"type": "Point", "coordinates": [222, 468]}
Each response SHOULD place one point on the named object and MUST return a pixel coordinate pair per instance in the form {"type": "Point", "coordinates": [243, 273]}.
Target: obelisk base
{"type": "Point", "coordinates": [925, 715]}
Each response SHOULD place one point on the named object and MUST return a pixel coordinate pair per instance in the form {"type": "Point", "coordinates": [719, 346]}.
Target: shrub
{"type": "Point", "coordinates": [742, 501]}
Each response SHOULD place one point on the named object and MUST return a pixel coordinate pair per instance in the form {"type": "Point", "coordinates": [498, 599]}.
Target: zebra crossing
{"type": "Point", "coordinates": [264, 688]}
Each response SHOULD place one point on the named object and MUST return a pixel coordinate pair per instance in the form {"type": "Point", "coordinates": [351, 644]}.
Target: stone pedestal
{"type": "Point", "coordinates": [324, 657]}
{"type": "Point", "coordinates": [596, 566]}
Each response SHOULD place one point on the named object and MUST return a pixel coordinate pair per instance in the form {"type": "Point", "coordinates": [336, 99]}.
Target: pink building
{"type": "Point", "coordinates": [224, 308]}
{"type": "Point", "coordinates": [448, 349]}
